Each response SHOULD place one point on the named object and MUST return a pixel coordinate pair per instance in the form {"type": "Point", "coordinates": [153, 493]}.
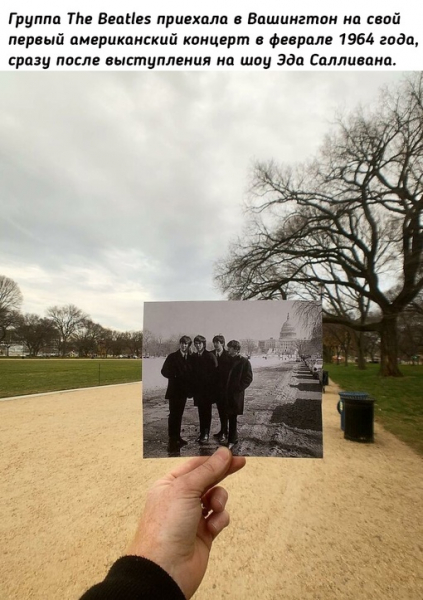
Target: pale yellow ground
{"type": "Point", "coordinates": [73, 483]}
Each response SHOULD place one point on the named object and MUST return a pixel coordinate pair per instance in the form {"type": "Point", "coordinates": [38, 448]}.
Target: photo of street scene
{"type": "Point", "coordinates": [246, 374]}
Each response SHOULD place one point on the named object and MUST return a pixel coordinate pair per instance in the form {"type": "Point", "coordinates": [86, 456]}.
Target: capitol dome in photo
{"type": "Point", "coordinates": [287, 331]}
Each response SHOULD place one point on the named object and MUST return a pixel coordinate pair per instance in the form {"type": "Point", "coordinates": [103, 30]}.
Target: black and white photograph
{"type": "Point", "coordinates": [245, 374]}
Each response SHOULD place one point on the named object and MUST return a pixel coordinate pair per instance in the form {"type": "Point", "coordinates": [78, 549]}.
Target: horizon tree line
{"type": "Point", "coordinates": [68, 329]}
{"type": "Point", "coordinates": [64, 330]}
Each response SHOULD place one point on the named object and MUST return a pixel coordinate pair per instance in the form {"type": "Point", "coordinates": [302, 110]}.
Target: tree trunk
{"type": "Point", "coordinates": [389, 347]}
{"type": "Point", "coordinates": [359, 344]}
{"type": "Point", "coordinates": [63, 347]}
{"type": "Point", "coordinates": [347, 353]}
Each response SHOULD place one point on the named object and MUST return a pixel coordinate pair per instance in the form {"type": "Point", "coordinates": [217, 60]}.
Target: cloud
{"type": "Point", "coordinates": [125, 187]}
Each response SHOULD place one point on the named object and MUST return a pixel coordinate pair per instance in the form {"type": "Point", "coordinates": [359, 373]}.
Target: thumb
{"type": "Point", "coordinates": [210, 472]}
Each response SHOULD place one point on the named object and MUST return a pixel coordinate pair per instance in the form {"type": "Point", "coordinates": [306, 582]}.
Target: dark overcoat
{"type": "Point", "coordinates": [178, 370]}
{"type": "Point", "coordinates": [239, 378]}
{"type": "Point", "coordinates": [224, 364]}
{"type": "Point", "coordinates": [205, 374]}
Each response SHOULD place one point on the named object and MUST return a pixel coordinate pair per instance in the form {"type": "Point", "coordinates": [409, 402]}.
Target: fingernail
{"type": "Point", "coordinates": [221, 503]}
{"type": "Point", "coordinates": [223, 452]}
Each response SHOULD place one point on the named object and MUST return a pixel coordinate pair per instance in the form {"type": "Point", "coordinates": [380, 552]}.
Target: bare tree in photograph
{"type": "Point", "coordinates": [67, 320]}
{"type": "Point", "coordinates": [310, 314]}
{"type": "Point", "coordinates": [349, 221]}
{"type": "Point", "coordinates": [248, 346]}
{"type": "Point", "coordinates": [10, 303]}
{"type": "Point", "coordinates": [146, 340]}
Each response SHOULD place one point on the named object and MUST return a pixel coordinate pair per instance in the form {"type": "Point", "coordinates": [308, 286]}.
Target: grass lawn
{"type": "Point", "coordinates": [30, 376]}
{"type": "Point", "coordinates": [398, 400]}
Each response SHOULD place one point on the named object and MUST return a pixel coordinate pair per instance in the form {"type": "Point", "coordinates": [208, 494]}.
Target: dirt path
{"type": "Point", "coordinates": [349, 526]}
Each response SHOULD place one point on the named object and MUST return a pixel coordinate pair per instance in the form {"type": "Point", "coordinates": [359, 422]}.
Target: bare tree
{"type": "Point", "coordinates": [349, 221]}
{"type": "Point", "coordinates": [310, 314]}
{"type": "Point", "coordinates": [410, 327]}
{"type": "Point", "coordinates": [67, 320]}
{"type": "Point", "coordinates": [106, 344]}
{"type": "Point", "coordinates": [10, 303]}
{"type": "Point", "coordinates": [135, 341]}
{"type": "Point", "coordinates": [87, 338]}
{"type": "Point", "coordinates": [330, 345]}
{"type": "Point", "coordinates": [116, 342]}
{"type": "Point", "coordinates": [248, 346]}
{"type": "Point", "coordinates": [35, 332]}
{"type": "Point", "coordinates": [342, 339]}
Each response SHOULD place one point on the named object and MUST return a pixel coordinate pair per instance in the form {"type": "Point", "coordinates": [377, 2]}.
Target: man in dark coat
{"type": "Point", "coordinates": [177, 368]}
{"type": "Point", "coordinates": [205, 373]}
{"type": "Point", "coordinates": [239, 378]}
{"type": "Point", "coordinates": [224, 363]}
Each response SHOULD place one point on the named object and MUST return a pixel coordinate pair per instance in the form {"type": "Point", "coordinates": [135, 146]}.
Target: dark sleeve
{"type": "Point", "coordinates": [247, 374]}
{"type": "Point", "coordinates": [167, 370]}
{"type": "Point", "coordinates": [135, 578]}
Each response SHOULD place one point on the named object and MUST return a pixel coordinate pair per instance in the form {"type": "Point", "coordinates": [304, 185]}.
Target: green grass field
{"type": "Point", "coordinates": [398, 400]}
{"type": "Point", "coordinates": [31, 376]}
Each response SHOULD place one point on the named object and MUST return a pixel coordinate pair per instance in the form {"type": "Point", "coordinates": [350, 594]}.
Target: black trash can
{"type": "Point", "coordinates": [325, 378]}
{"type": "Point", "coordinates": [340, 408]}
{"type": "Point", "coordinates": [358, 416]}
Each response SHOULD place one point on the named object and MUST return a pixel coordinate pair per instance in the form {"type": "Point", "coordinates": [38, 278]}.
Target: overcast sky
{"type": "Point", "coordinates": [258, 320]}
{"type": "Point", "coordinates": [120, 188]}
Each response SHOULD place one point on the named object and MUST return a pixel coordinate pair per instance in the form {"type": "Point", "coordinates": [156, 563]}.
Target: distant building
{"type": "Point", "coordinates": [12, 350]}
{"type": "Point", "coordinates": [288, 344]}
{"type": "Point", "coordinates": [266, 345]}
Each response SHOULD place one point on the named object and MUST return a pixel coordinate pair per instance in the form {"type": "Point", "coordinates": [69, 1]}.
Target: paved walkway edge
{"type": "Point", "coordinates": [92, 387]}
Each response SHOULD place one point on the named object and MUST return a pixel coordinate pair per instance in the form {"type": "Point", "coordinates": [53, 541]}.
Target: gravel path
{"type": "Point", "coordinates": [348, 526]}
{"type": "Point", "coordinates": [282, 417]}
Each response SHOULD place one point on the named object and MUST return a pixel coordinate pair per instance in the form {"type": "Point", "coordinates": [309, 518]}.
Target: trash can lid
{"type": "Point", "coordinates": [353, 395]}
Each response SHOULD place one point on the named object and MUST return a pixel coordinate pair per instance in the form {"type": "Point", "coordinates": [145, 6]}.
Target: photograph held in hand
{"type": "Point", "coordinates": [233, 373]}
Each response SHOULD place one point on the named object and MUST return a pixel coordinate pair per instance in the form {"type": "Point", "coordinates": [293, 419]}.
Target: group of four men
{"type": "Point", "coordinates": [218, 377]}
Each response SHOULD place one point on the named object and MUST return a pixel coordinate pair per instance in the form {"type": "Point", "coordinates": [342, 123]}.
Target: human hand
{"type": "Point", "coordinates": [183, 514]}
